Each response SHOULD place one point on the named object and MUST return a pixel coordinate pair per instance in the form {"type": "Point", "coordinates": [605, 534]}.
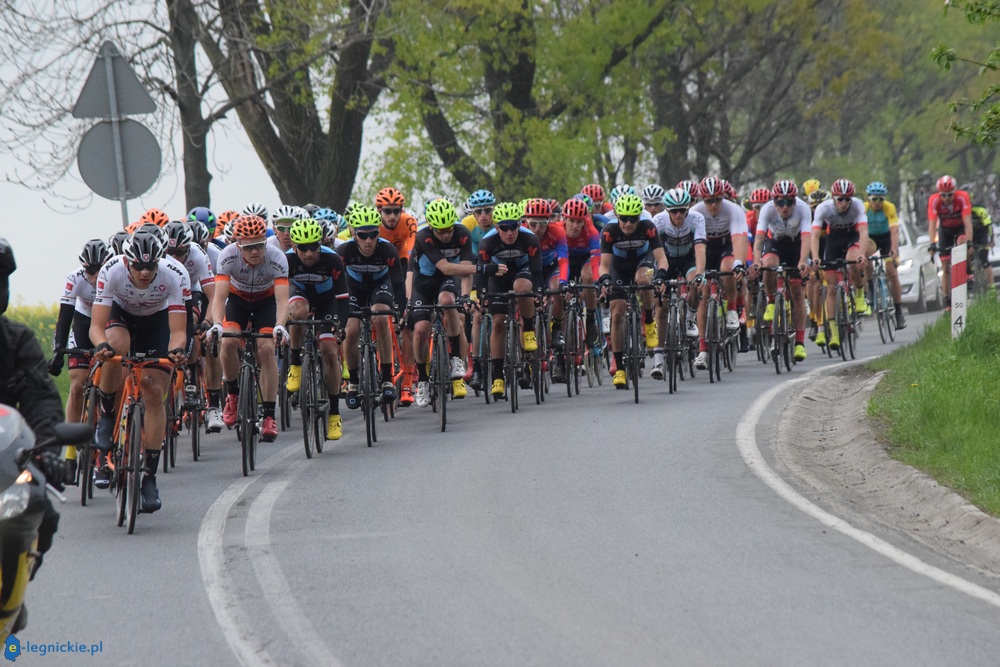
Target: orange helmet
{"type": "Point", "coordinates": [223, 221]}
{"type": "Point", "coordinates": [575, 208]}
{"type": "Point", "coordinates": [389, 197]}
{"type": "Point", "coordinates": [594, 191]}
{"type": "Point", "coordinates": [249, 227]}
{"type": "Point", "coordinates": [134, 226]}
{"type": "Point", "coordinates": [538, 208]}
{"type": "Point", "coordinates": [155, 216]}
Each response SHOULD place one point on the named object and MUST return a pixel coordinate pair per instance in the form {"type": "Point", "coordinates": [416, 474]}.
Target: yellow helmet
{"type": "Point", "coordinates": [810, 186]}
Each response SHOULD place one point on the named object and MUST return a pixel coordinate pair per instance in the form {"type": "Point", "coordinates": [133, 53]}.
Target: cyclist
{"type": "Point", "coordinates": [138, 306]}
{"type": "Point", "coordinates": [652, 199]}
{"type": "Point", "coordinates": [203, 215]}
{"type": "Point", "coordinates": [318, 283]}
{"type": "Point", "coordinates": [281, 222]}
{"type": "Point", "coordinates": [596, 194]}
{"type": "Point", "coordinates": [116, 241]}
{"type": "Point", "coordinates": [330, 222]}
{"type": "Point", "coordinates": [374, 278]}
{"type": "Point", "coordinates": [982, 239]}
{"type": "Point", "coordinates": [399, 227]}
{"type": "Point", "coordinates": [440, 272]}
{"type": "Point", "coordinates": [845, 218]}
{"type": "Point", "coordinates": [251, 289]}
{"type": "Point", "coordinates": [814, 289]}
{"type": "Point", "coordinates": [555, 266]}
{"type": "Point", "coordinates": [510, 259]}
{"type": "Point", "coordinates": [583, 242]}
{"type": "Point", "coordinates": [883, 235]}
{"type": "Point", "coordinates": [783, 238]}
{"type": "Point", "coordinates": [479, 222]}
{"type": "Point", "coordinates": [810, 186]}
{"type": "Point", "coordinates": [630, 248]}
{"type": "Point", "coordinates": [949, 222]}
{"type": "Point", "coordinates": [154, 216]}
{"type": "Point", "coordinates": [682, 232]}
{"type": "Point", "coordinates": [726, 243]}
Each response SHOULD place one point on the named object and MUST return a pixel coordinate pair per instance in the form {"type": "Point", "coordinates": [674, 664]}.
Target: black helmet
{"type": "Point", "coordinates": [95, 252]}
{"type": "Point", "coordinates": [144, 247]}
{"type": "Point", "coordinates": [116, 242]}
{"type": "Point", "coordinates": [179, 235]}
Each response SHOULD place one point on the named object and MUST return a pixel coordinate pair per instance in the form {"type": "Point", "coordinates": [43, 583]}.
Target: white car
{"type": "Point", "coordinates": [919, 272]}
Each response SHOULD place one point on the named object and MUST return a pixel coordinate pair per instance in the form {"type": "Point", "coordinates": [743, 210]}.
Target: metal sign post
{"type": "Point", "coordinates": [959, 278]}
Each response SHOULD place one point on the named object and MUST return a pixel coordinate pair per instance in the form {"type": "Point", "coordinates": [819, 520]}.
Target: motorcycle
{"type": "Point", "coordinates": [28, 520]}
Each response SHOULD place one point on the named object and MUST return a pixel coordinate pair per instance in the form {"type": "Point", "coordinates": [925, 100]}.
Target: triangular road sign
{"type": "Point", "coordinates": [130, 95]}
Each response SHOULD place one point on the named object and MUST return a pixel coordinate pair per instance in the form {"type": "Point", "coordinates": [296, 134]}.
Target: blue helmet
{"type": "Point", "coordinates": [877, 188]}
{"type": "Point", "coordinates": [327, 214]}
{"type": "Point", "coordinates": [202, 215]}
{"type": "Point", "coordinates": [480, 199]}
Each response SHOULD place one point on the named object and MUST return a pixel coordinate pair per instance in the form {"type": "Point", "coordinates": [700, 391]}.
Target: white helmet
{"type": "Point", "coordinates": [653, 194]}
{"type": "Point", "coordinates": [286, 212]}
{"type": "Point", "coordinates": [255, 209]}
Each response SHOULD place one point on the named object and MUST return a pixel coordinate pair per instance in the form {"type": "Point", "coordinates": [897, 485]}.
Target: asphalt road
{"type": "Point", "coordinates": [586, 531]}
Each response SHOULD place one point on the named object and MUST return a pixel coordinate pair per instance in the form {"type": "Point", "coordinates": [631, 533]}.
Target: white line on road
{"type": "Point", "coordinates": [746, 440]}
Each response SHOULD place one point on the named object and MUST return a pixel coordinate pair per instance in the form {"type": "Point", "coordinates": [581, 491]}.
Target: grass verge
{"type": "Point", "coordinates": [938, 408]}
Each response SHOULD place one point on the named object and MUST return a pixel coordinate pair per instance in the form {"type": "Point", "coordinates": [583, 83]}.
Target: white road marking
{"type": "Point", "coordinates": [746, 440]}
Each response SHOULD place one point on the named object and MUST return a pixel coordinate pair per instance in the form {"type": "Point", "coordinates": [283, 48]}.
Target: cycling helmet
{"type": "Point", "coordinates": [619, 190]}
{"type": "Point", "coordinates": [95, 252]}
{"type": "Point", "coordinates": [154, 216]}
{"type": "Point", "coordinates": [144, 247]}
{"type": "Point", "coordinates": [310, 209]}
{"type": "Point", "coordinates": [227, 233]}
{"type": "Point", "coordinates": [329, 231]}
{"type": "Point", "coordinates": [676, 198]}
{"type": "Point", "coordinates": [286, 212]}
{"type": "Point", "coordinates": [594, 191]}
{"type": "Point", "coordinates": [842, 188]}
{"type": "Point", "coordinates": [441, 214]}
{"type": "Point", "coordinates": [555, 206]}
{"type": "Point", "coordinates": [575, 208]}
{"type": "Point", "coordinates": [710, 187]}
{"type": "Point", "coordinates": [586, 200]}
{"type": "Point", "coordinates": [522, 205]}
{"type": "Point", "coordinates": [481, 199]}
{"type": "Point", "coordinates": [818, 197]}
{"type": "Point", "coordinates": [784, 188]}
{"type": "Point", "coordinates": [249, 227]}
{"type": "Point", "coordinates": [226, 217]}
{"type": "Point", "coordinates": [538, 208]}
{"type": "Point", "coordinates": [178, 235]}
{"type": "Point", "coordinates": [153, 229]}
{"type": "Point", "coordinates": [306, 230]}
{"type": "Point", "coordinates": [389, 197]}
{"type": "Point", "coordinates": [760, 196]}
{"type": "Point", "coordinates": [689, 187]}
{"type": "Point", "coordinates": [946, 184]}
{"type": "Point", "coordinates": [199, 232]}
{"type": "Point", "coordinates": [327, 214]}
{"type": "Point", "coordinates": [365, 216]}
{"type": "Point", "coordinates": [628, 205]}
{"type": "Point", "coordinates": [506, 212]}
{"type": "Point", "coordinates": [810, 186]}
{"type": "Point", "coordinates": [256, 209]}
{"type": "Point", "coordinates": [653, 194]}
{"type": "Point", "coordinates": [877, 188]}
{"type": "Point", "coordinates": [202, 215]}
{"type": "Point", "coordinates": [117, 240]}
{"type": "Point", "coordinates": [728, 190]}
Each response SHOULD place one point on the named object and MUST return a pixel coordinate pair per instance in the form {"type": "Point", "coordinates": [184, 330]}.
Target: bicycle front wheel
{"type": "Point", "coordinates": [635, 350]}
{"type": "Point", "coordinates": [443, 379]}
{"type": "Point", "coordinates": [247, 416]}
{"type": "Point", "coordinates": [134, 467]}
{"type": "Point", "coordinates": [86, 454]}
{"type": "Point", "coordinates": [307, 402]}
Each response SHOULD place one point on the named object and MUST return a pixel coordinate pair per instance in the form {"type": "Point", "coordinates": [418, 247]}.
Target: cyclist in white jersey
{"type": "Point", "coordinates": [139, 307]}
{"type": "Point", "coordinates": [251, 287]}
{"type": "Point", "coordinates": [281, 221]}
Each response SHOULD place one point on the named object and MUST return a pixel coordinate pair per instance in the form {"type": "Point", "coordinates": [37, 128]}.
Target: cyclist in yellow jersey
{"type": "Point", "coordinates": [883, 235]}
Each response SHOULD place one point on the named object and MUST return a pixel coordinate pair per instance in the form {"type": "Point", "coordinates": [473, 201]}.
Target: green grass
{"type": "Point", "coordinates": [42, 320]}
{"type": "Point", "coordinates": [938, 409]}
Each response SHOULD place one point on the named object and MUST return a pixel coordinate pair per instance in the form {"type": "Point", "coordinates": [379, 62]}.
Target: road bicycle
{"type": "Point", "coordinates": [722, 345]}
{"type": "Point", "coordinates": [369, 386]}
{"type": "Point", "coordinates": [514, 357]}
{"type": "Point", "coordinates": [634, 348]}
{"type": "Point", "coordinates": [885, 312]}
{"type": "Point", "coordinates": [91, 411]}
{"type": "Point", "coordinates": [845, 312]}
{"type": "Point", "coordinates": [314, 402]}
{"type": "Point", "coordinates": [576, 354]}
{"type": "Point", "coordinates": [782, 331]}
{"type": "Point", "coordinates": [440, 372]}
{"type": "Point", "coordinates": [250, 412]}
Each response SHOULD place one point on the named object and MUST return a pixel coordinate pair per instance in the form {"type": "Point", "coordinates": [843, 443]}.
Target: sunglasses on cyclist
{"type": "Point", "coordinates": [876, 199]}
{"type": "Point", "coordinates": [508, 227]}
{"type": "Point", "coordinates": [179, 252]}
{"type": "Point", "coordinates": [785, 202]}
{"type": "Point", "coordinates": [366, 236]}
{"type": "Point", "coordinates": [842, 199]}
{"type": "Point", "coordinates": [677, 211]}
{"type": "Point", "coordinates": [250, 247]}
{"type": "Point", "coordinates": [631, 219]}
{"type": "Point", "coordinates": [91, 270]}
{"type": "Point", "coordinates": [947, 194]}
{"type": "Point", "coordinates": [282, 228]}
{"type": "Point", "coordinates": [482, 211]}
{"type": "Point", "coordinates": [391, 211]}
{"type": "Point", "coordinates": [714, 200]}
{"type": "Point", "coordinates": [145, 266]}
{"type": "Point", "coordinates": [536, 222]}
{"type": "Point", "coordinates": [308, 247]}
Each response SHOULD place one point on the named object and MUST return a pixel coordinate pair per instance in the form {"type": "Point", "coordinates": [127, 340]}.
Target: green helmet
{"type": "Point", "coordinates": [628, 205]}
{"type": "Point", "coordinates": [441, 214]}
{"type": "Point", "coordinates": [364, 216]}
{"type": "Point", "coordinates": [506, 212]}
{"type": "Point", "coordinates": [306, 231]}
{"type": "Point", "coordinates": [521, 205]}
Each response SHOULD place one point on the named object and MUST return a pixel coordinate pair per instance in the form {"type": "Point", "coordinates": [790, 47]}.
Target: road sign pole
{"type": "Point", "coordinates": [959, 279]}
{"type": "Point", "coordinates": [116, 131]}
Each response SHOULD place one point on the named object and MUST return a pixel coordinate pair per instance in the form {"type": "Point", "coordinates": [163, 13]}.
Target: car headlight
{"type": "Point", "coordinates": [905, 265]}
{"type": "Point", "coordinates": [14, 501]}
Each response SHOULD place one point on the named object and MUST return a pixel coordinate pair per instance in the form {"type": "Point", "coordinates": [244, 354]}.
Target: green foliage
{"type": "Point", "coordinates": [937, 406]}
{"type": "Point", "coordinates": [41, 319]}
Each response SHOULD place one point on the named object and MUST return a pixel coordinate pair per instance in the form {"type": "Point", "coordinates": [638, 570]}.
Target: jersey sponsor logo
{"type": "Point", "coordinates": [630, 244]}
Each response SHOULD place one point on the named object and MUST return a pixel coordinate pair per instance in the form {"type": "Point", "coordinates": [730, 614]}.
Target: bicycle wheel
{"type": "Point", "coordinates": [841, 319]}
{"type": "Point", "coordinates": [134, 466]}
{"type": "Point", "coordinates": [443, 377]}
{"type": "Point", "coordinates": [761, 342]}
{"type": "Point", "coordinates": [367, 388]}
{"type": "Point", "coordinates": [712, 335]}
{"type": "Point", "coordinates": [119, 479]}
{"type": "Point", "coordinates": [85, 455]}
{"type": "Point", "coordinates": [779, 339]}
{"type": "Point", "coordinates": [512, 363]}
{"type": "Point", "coordinates": [247, 411]}
{"type": "Point", "coordinates": [880, 309]}
{"type": "Point", "coordinates": [169, 456]}
{"type": "Point", "coordinates": [321, 409]}
{"type": "Point", "coordinates": [194, 424]}
{"type": "Point", "coordinates": [569, 350]}
{"type": "Point", "coordinates": [890, 311]}
{"type": "Point", "coordinates": [853, 323]}
{"type": "Point", "coordinates": [284, 396]}
{"type": "Point", "coordinates": [307, 402]}
{"type": "Point", "coordinates": [672, 352]}
{"type": "Point", "coordinates": [636, 350]}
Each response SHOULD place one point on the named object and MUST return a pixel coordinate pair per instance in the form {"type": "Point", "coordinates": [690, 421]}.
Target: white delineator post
{"type": "Point", "coordinates": [959, 277]}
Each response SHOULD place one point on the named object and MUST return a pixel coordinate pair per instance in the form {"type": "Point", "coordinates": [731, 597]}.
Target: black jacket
{"type": "Point", "coordinates": [24, 380]}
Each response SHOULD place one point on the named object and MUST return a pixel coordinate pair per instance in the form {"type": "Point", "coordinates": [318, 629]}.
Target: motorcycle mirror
{"type": "Point", "coordinates": [73, 434]}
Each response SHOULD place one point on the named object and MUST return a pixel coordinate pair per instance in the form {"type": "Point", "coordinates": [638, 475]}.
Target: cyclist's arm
{"type": "Point", "coordinates": [98, 323]}
{"type": "Point", "coordinates": [967, 222]}
{"type": "Point", "coordinates": [661, 258]}
{"type": "Point", "coordinates": [863, 237]}
{"type": "Point", "coordinates": [281, 298]}
{"type": "Point", "coordinates": [739, 246]}
{"type": "Point", "coordinates": [177, 320]}
{"type": "Point", "coordinates": [219, 299]}
{"type": "Point", "coordinates": [932, 220]}
{"type": "Point", "coordinates": [758, 248]}
{"type": "Point", "coordinates": [699, 258]}
{"type": "Point", "coordinates": [209, 290]}
{"type": "Point", "coordinates": [63, 326]}
{"type": "Point", "coordinates": [804, 247]}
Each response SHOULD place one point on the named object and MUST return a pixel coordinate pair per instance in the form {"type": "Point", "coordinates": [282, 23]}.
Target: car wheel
{"type": "Point", "coordinates": [937, 303]}
{"type": "Point", "coordinates": [919, 306]}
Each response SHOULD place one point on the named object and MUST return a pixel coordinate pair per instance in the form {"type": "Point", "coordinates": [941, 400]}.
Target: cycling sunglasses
{"type": "Point", "coordinates": [482, 211]}
{"type": "Point", "coordinates": [785, 202]}
{"type": "Point", "coordinates": [308, 247]}
{"type": "Point", "coordinates": [842, 199]}
{"type": "Point", "coordinates": [714, 200]}
{"type": "Point", "coordinates": [282, 228]}
{"type": "Point", "coordinates": [677, 211]}
{"type": "Point", "coordinates": [367, 236]}
{"type": "Point", "coordinates": [145, 266]}
{"type": "Point", "coordinates": [628, 218]}
{"type": "Point", "coordinates": [391, 211]}
{"type": "Point", "coordinates": [876, 199]}
{"type": "Point", "coordinates": [508, 226]}
{"type": "Point", "coordinates": [259, 245]}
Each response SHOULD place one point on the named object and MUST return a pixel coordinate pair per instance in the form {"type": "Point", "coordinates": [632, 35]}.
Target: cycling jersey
{"type": "Point", "coordinates": [199, 270]}
{"type": "Point", "coordinates": [731, 220]}
{"type": "Point", "coordinates": [402, 235]}
{"type": "Point", "coordinates": [428, 250]}
{"type": "Point", "coordinates": [555, 250]}
{"type": "Point", "coordinates": [252, 283]}
{"type": "Point", "coordinates": [326, 279]}
{"type": "Point", "coordinates": [586, 247]}
{"type": "Point", "coordinates": [168, 290]}
{"type": "Point", "coordinates": [476, 232]}
{"type": "Point", "coordinates": [212, 250]}
{"type": "Point", "coordinates": [880, 222]}
{"type": "Point", "coordinates": [840, 223]}
{"type": "Point", "coordinates": [522, 257]}
{"type": "Point", "coordinates": [78, 292]}
{"type": "Point", "coordinates": [950, 214]}
{"type": "Point", "coordinates": [680, 240]}
{"type": "Point", "coordinates": [773, 226]}
{"type": "Point", "coordinates": [630, 249]}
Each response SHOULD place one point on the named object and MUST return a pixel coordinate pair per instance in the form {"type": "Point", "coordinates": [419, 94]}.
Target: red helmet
{"type": "Point", "coordinates": [710, 186]}
{"type": "Point", "coordinates": [538, 208]}
{"type": "Point", "coordinates": [154, 216]}
{"type": "Point", "coordinates": [594, 191]}
{"type": "Point", "coordinates": [842, 188]}
{"type": "Point", "coordinates": [389, 197]}
{"type": "Point", "coordinates": [249, 227]}
{"type": "Point", "coordinates": [760, 196]}
{"type": "Point", "coordinates": [784, 188]}
{"type": "Point", "coordinates": [947, 184]}
{"type": "Point", "coordinates": [575, 208]}
{"type": "Point", "coordinates": [728, 189]}
{"type": "Point", "coordinates": [689, 187]}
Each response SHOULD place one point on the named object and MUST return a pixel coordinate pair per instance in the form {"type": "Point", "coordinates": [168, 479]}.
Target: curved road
{"type": "Point", "coordinates": [588, 531]}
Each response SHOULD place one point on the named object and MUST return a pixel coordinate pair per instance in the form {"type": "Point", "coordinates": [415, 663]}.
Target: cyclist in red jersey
{"type": "Point", "coordinates": [949, 222]}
